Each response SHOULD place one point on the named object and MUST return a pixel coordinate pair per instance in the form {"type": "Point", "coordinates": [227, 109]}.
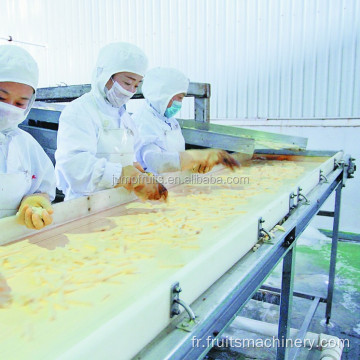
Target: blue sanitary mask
{"type": "Point", "coordinates": [173, 109]}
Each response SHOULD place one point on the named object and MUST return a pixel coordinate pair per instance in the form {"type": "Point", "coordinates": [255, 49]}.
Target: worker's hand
{"type": "Point", "coordinates": [144, 186]}
{"type": "Point", "coordinates": [203, 161]}
{"type": "Point", "coordinates": [35, 211]}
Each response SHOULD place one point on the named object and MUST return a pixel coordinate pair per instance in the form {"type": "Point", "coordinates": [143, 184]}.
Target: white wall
{"type": "Point", "coordinates": [263, 58]}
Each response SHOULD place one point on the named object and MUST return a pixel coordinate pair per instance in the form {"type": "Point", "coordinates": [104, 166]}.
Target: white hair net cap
{"type": "Point", "coordinates": [17, 65]}
{"type": "Point", "coordinates": [161, 84]}
{"type": "Point", "coordinates": [114, 58]}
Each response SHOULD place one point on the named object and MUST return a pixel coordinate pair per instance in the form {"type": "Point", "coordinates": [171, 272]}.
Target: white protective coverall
{"type": "Point", "coordinates": [24, 166]}
{"type": "Point", "coordinates": [160, 139]}
{"type": "Point", "coordinates": [95, 140]}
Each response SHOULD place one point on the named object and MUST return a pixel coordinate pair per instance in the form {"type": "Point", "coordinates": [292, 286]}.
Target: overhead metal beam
{"type": "Point", "coordinates": [228, 142]}
{"type": "Point", "coordinates": [263, 139]}
{"type": "Point", "coordinates": [71, 92]}
{"type": "Point", "coordinates": [200, 91]}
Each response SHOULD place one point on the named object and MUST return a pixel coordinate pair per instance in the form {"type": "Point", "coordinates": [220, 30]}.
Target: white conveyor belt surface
{"type": "Point", "coordinates": [99, 286]}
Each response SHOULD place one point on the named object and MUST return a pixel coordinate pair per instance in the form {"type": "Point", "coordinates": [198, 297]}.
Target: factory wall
{"type": "Point", "coordinates": [263, 58]}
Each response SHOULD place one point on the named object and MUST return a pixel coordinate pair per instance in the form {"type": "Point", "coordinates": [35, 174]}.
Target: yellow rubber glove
{"type": "Point", "coordinates": [138, 166]}
{"type": "Point", "coordinates": [35, 211]}
{"type": "Point", "coordinates": [144, 186]}
{"type": "Point", "coordinates": [202, 161]}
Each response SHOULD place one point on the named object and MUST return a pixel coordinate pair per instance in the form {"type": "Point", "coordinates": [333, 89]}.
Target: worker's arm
{"type": "Point", "coordinates": [76, 163]}
{"type": "Point", "coordinates": [151, 150]}
{"type": "Point", "coordinates": [38, 164]}
{"type": "Point", "coordinates": [203, 161]}
{"type": "Point", "coordinates": [159, 161]}
{"type": "Point", "coordinates": [150, 143]}
{"type": "Point", "coordinates": [35, 209]}
{"type": "Point", "coordinates": [145, 186]}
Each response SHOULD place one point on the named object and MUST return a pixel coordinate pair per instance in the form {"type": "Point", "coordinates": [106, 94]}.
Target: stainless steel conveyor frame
{"type": "Point", "coordinates": [218, 306]}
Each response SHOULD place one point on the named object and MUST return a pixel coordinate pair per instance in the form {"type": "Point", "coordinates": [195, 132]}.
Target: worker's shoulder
{"type": "Point", "coordinates": [138, 114]}
{"type": "Point", "coordinates": [136, 118]}
{"type": "Point", "coordinates": [26, 140]}
{"type": "Point", "coordinates": [80, 106]}
{"type": "Point", "coordinates": [145, 115]}
{"type": "Point", "coordinates": [22, 135]}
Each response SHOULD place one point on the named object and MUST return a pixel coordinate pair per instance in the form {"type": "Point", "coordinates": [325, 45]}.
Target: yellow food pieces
{"type": "Point", "coordinates": [279, 227]}
{"type": "Point", "coordinates": [150, 239]}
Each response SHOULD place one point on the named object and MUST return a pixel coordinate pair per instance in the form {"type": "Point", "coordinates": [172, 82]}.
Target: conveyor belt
{"type": "Point", "coordinates": [109, 274]}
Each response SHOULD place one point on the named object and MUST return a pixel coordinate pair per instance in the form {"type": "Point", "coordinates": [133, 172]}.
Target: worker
{"type": "Point", "coordinates": [161, 145]}
{"type": "Point", "coordinates": [95, 143]}
{"type": "Point", "coordinates": [27, 177]}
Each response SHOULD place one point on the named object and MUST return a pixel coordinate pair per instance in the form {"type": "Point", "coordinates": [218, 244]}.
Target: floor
{"type": "Point", "coordinates": [312, 261]}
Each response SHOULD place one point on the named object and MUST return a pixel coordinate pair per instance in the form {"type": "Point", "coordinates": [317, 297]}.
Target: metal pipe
{"type": "Point", "coordinates": [266, 233]}
{"type": "Point", "coordinates": [331, 347]}
{"type": "Point", "coordinates": [286, 300]}
{"type": "Point", "coordinates": [334, 246]}
{"type": "Point", "coordinates": [186, 307]}
{"type": "Point", "coordinates": [11, 39]}
{"type": "Point", "coordinates": [304, 327]}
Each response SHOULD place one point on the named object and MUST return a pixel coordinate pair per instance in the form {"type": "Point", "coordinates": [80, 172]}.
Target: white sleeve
{"type": "Point", "coordinates": [158, 161]}
{"type": "Point", "coordinates": [41, 167]}
{"type": "Point", "coordinates": [46, 183]}
{"type": "Point", "coordinates": [150, 144]}
{"type": "Point", "coordinates": [77, 166]}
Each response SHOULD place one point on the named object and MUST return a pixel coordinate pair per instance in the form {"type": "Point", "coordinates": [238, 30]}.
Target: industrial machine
{"type": "Point", "coordinates": [113, 277]}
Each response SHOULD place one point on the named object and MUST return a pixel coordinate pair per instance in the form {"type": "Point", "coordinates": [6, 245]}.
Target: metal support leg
{"type": "Point", "coordinates": [286, 303]}
{"type": "Point", "coordinates": [202, 109]}
{"type": "Point", "coordinates": [333, 252]}
{"type": "Point", "coordinates": [301, 334]}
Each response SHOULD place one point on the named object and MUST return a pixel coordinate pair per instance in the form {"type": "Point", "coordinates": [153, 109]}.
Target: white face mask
{"type": "Point", "coordinates": [117, 95]}
{"type": "Point", "coordinates": [11, 116]}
